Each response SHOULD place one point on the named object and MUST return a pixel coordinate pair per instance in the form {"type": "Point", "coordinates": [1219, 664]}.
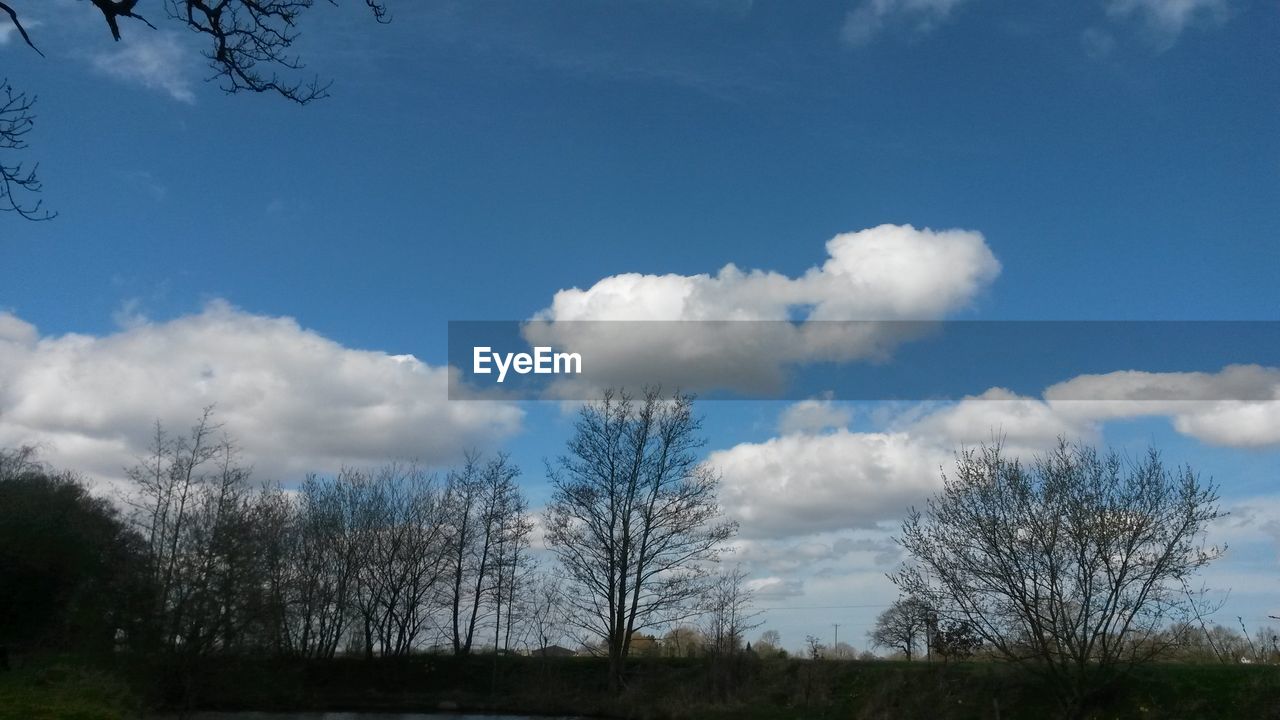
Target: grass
{"type": "Point", "coordinates": [68, 688]}
{"type": "Point", "coordinates": [65, 689]}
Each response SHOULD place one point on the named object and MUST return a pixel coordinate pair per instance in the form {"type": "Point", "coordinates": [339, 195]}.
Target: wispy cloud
{"type": "Point", "coordinates": [156, 61]}
{"type": "Point", "coordinates": [1165, 20]}
{"type": "Point", "coordinates": [9, 31]}
{"type": "Point", "coordinates": [867, 19]}
{"type": "Point", "coordinates": [1162, 21]}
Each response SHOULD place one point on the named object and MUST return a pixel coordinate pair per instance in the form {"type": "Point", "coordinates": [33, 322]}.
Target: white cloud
{"type": "Point", "coordinates": [295, 400]}
{"type": "Point", "coordinates": [865, 21]}
{"type": "Point", "coordinates": [882, 273]}
{"type": "Point", "coordinates": [804, 484]}
{"type": "Point", "coordinates": [1165, 20]}
{"type": "Point", "coordinates": [1238, 406]}
{"type": "Point", "coordinates": [806, 481]}
{"type": "Point", "coordinates": [1023, 425]}
{"type": "Point", "coordinates": [154, 60]}
{"type": "Point", "coordinates": [886, 273]}
{"type": "Point", "coordinates": [813, 416]}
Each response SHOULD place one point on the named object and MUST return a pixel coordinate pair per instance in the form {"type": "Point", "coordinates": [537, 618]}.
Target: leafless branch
{"type": "Point", "coordinates": [16, 120]}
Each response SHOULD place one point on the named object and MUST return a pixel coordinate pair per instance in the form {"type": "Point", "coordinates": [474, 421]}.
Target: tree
{"type": "Point", "coordinates": [1072, 565]}
{"type": "Point", "coordinates": [683, 641]}
{"type": "Point", "coordinates": [814, 647]}
{"type": "Point", "coordinates": [547, 613]}
{"type": "Point", "coordinates": [903, 626]}
{"type": "Point", "coordinates": [250, 48]}
{"type": "Point", "coordinates": [316, 579]}
{"type": "Point", "coordinates": [205, 529]}
{"type": "Point", "coordinates": [72, 571]}
{"type": "Point", "coordinates": [401, 535]}
{"type": "Point", "coordinates": [729, 614]}
{"type": "Point", "coordinates": [954, 640]}
{"type": "Point", "coordinates": [634, 518]}
{"type": "Point", "coordinates": [486, 514]}
{"type": "Point", "coordinates": [770, 642]}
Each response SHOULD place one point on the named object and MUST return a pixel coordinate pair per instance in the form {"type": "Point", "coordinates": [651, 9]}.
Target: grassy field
{"type": "Point", "coordinates": [667, 689]}
{"type": "Point", "coordinates": [65, 689]}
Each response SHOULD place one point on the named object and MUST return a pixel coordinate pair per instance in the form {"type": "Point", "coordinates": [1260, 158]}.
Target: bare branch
{"type": "Point", "coordinates": [18, 24]}
{"type": "Point", "coordinates": [16, 120]}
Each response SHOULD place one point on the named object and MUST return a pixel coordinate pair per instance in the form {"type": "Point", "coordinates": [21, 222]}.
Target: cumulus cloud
{"type": "Point", "coordinates": [1024, 425]}
{"type": "Point", "coordinates": [886, 273]}
{"type": "Point", "coordinates": [294, 400]}
{"type": "Point", "coordinates": [155, 60]}
{"type": "Point", "coordinates": [867, 19]}
{"type": "Point", "coordinates": [812, 479]}
{"type": "Point", "coordinates": [882, 273]}
{"type": "Point", "coordinates": [804, 484]}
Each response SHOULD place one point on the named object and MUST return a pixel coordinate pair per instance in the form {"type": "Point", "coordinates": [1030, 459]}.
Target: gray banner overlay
{"type": "Point", "coordinates": [1194, 361]}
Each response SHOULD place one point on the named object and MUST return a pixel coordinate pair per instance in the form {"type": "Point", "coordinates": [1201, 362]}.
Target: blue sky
{"type": "Point", "coordinates": [1119, 159]}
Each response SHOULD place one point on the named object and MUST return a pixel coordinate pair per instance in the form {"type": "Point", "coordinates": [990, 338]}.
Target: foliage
{"type": "Point", "coordinates": [72, 572]}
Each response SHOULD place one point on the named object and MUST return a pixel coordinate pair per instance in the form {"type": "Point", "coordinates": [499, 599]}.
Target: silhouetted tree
{"type": "Point", "coordinates": [954, 640]}
{"type": "Point", "coordinates": [1073, 565]}
{"type": "Point", "coordinates": [634, 518]}
{"type": "Point", "coordinates": [486, 515]}
{"type": "Point", "coordinates": [903, 626]}
{"type": "Point", "coordinates": [72, 571]}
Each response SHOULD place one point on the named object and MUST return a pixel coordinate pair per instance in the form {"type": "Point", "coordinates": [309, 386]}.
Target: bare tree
{"type": "Point", "coordinates": [634, 518]}
{"type": "Point", "coordinates": [512, 563]}
{"type": "Point", "coordinates": [170, 481]}
{"type": "Point", "coordinates": [729, 613]}
{"type": "Point", "coordinates": [488, 530]}
{"type": "Point", "coordinates": [814, 647]}
{"type": "Point", "coordinates": [1073, 565]}
{"type": "Point", "coordinates": [316, 581]}
{"type": "Point", "coordinates": [547, 613]}
{"type": "Point", "coordinates": [212, 542]}
{"type": "Point", "coordinates": [399, 528]}
{"type": "Point", "coordinates": [903, 626]}
{"type": "Point", "coordinates": [769, 643]}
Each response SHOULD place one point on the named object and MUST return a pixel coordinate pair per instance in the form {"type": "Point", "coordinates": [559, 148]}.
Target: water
{"type": "Point", "coordinates": [354, 716]}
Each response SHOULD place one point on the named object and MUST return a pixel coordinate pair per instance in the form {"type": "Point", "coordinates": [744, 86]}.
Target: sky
{"type": "Point", "coordinates": [655, 159]}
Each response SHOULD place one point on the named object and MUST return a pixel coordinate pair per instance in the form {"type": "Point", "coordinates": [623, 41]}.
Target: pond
{"type": "Point", "coordinates": [355, 716]}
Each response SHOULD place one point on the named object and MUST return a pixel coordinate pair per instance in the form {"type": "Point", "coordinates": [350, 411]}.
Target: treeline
{"type": "Point", "coordinates": [376, 562]}
{"type": "Point", "coordinates": [199, 558]}
{"type": "Point", "coordinates": [1075, 567]}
